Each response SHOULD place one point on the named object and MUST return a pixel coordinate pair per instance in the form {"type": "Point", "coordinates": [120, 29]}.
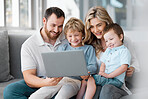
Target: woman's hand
{"type": "Point", "coordinates": [130, 71]}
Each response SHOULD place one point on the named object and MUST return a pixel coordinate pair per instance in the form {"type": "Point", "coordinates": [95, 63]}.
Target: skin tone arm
{"type": "Point", "coordinates": [115, 73]}
{"type": "Point", "coordinates": [33, 81]}
{"type": "Point", "coordinates": [102, 68]}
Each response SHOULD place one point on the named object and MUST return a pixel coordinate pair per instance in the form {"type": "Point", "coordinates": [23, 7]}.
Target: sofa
{"type": "Point", "coordinates": [11, 51]}
{"type": "Point", "coordinates": [12, 44]}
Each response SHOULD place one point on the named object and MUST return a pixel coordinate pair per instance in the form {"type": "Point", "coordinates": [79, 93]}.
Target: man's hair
{"type": "Point", "coordinates": [115, 27]}
{"type": "Point", "coordinates": [57, 11]}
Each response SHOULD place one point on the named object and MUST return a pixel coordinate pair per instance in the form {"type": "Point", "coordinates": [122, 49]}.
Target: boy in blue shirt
{"type": "Point", "coordinates": [74, 32]}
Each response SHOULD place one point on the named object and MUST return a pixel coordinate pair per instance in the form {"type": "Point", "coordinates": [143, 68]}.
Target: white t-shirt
{"type": "Point", "coordinates": [31, 52]}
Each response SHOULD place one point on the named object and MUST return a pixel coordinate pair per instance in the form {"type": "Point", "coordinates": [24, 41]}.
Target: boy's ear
{"type": "Point", "coordinates": [121, 37]}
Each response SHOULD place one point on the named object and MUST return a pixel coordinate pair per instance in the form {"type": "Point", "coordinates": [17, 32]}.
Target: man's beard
{"type": "Point", "coordinates": [51, 36]}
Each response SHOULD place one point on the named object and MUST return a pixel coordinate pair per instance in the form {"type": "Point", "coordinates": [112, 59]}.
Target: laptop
{"type": "Point", "coordinates": [65, 63]}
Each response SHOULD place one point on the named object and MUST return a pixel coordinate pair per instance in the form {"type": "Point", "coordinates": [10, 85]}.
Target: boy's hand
{"type": "Point", "coordinates": [84, 77]}
{"type": "Point", "coordinates": [104, 74]}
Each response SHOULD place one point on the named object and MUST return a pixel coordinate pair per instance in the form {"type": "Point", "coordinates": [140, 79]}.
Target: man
{"type": "Point", "coordinates": [48, 38]}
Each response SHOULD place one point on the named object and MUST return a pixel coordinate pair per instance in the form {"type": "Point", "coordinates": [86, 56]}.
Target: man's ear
{"type": "Point", "coordinates": [44, 20]}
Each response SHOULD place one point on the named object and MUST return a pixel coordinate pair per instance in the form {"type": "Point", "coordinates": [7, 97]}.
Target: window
{"type": "Point", "coordinates": [119, 10]}
{"type": "Point", "coordinates": [2, 13]}
{"type": "Point", "coordinates": [69, 7]}
{"type": "Point", "coordinates": [15, 13]}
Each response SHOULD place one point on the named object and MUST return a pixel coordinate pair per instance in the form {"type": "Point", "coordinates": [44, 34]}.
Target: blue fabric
{"type": "Point", "coordinates": [114, 58]}
{"type": "Point", "coordinates": [89, 53]}
{"type": "Point", "coordinates": [100, 80]}
{"type": "Point", "coordinates": [18, 90]}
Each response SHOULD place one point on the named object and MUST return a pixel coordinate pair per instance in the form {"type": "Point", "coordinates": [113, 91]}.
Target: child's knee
{"type": "Point", "coordinates": [91, 80]}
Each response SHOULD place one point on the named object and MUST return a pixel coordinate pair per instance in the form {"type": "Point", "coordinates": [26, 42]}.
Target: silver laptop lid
{"type": "Point", "coordinates": [65, 63]}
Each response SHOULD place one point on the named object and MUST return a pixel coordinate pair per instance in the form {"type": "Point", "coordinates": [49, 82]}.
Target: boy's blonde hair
{"type": "Point", "coordinates": [73, 25]}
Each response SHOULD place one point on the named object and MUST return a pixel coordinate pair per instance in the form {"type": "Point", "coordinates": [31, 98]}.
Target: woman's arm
{"type": "Point", "coordinates": [134, 65]}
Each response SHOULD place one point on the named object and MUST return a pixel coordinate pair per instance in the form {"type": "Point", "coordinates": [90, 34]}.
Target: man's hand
{"type": "Point", "coordinates": [52, 81]}
{"type": "Point", "coordinates": [36, 82]}
{"type": "Point", "coordinates": [130, 71]}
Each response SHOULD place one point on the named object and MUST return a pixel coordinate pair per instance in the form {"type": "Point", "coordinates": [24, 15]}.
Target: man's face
{"type": "Point", "coordinates": [53, 26]}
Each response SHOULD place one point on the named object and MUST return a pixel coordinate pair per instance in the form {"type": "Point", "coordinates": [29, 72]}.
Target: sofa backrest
{"type": "Point", "coordinates": [15, 42]}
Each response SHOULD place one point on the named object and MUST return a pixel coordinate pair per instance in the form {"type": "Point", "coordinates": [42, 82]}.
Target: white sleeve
{"type": "Point", "coordinates": [27, 61]}
{"type": "Point", "coordinates": [134, 61]}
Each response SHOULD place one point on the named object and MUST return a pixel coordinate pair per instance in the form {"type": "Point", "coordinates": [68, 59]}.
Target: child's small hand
{"type": "Point", "coordinates": [84, 77]}
{"type": "Point", "coordinates": [100, 73]}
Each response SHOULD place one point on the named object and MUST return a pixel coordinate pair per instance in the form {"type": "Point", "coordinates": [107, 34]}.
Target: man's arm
{"type": "Point", "coordinates": [33, 81]}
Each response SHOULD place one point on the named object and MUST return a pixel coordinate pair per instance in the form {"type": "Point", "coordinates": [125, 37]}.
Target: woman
{"type": "Point", "coordinates": [96, 20]}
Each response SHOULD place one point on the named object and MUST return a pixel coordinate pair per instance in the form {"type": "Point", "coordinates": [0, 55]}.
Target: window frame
{"type": "Point", "coordinates": [37, 8]}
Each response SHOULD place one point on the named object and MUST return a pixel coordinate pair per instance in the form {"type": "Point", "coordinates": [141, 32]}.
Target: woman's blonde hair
{"type": "Point", "coordinates": [100, 13]}
{"type": "Point", "coordinates": [74, 24]}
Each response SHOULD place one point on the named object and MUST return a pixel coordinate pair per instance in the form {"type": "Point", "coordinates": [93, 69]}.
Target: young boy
{"type": "Point", "coordinates": [74, 32]}
{"type": "Point", "coordinates": [115, 61]}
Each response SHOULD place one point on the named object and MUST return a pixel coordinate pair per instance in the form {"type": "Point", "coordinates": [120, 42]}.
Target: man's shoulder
{"type": "Point", "coordinates": [30, 42]}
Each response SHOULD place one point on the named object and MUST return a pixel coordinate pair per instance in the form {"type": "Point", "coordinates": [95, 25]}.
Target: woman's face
{"type": "Point", "coordinates": [96, 27]}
